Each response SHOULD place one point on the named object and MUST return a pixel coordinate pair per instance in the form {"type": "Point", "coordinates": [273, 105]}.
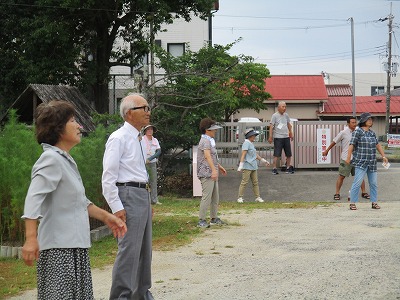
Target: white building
{"type": "Point", "coordinates": [174, 38]}
{"type": "Point", "coordinates": [366, 84]}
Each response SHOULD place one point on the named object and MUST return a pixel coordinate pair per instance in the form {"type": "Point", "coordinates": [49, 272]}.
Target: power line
{"type": "Point", "coordinates": [304, 27]}
{"type": "Point", "coordinates": [320, 58]}
{"type": "Point", "coordinates": [382, 47]}
{"type": "Point", "coordinates": [279, 28]}
{"type": "Point", "coordinates": [280, 18]}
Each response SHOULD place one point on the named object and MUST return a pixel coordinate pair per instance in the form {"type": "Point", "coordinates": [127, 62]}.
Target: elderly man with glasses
{"type": "Point", "coordinates": [126, 189]}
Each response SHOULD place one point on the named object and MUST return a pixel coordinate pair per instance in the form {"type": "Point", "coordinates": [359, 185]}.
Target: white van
{"type": "Point", "coordinates": [261, 129]}
{"type": "Point", "coordinates": [249, 120]}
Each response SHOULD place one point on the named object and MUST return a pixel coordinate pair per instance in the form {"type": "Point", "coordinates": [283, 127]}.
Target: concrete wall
{"type": "Point", "coordinates": [195, 33]}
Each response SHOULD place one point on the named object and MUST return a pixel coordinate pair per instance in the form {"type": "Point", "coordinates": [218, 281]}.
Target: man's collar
{"type": "Point", "coordinates": [131, 129]}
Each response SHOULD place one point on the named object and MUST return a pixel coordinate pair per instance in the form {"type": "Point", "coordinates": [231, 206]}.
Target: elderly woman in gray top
{"type": "Point", "coordinates": [208, 169]}
{"type": "Point", "coordinates": [56, 197]}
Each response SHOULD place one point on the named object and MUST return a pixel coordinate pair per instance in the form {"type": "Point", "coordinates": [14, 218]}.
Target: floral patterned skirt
{"type": "Point", "coordinates": [64, 274]}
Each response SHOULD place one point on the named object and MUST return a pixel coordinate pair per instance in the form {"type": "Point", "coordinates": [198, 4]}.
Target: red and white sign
{"type": "Point", "coordinates": [323, 141]}
{"type": "Point", "coordinates": [393, 140]}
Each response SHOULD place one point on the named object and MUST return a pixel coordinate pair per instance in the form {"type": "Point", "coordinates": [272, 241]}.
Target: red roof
{"type": "Point", "coordinates": [335, 90]}
{"type": "Point", "coordinates": [373, 104]}
{"type": "Point", "coordinates": [296, 87]}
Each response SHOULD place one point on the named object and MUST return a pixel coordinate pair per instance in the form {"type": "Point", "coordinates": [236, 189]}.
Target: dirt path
{"type": "Point", "coordinates": [322, 253]}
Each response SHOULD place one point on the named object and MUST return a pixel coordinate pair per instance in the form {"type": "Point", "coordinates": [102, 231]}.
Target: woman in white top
{"type": "Point", "coordinates": [56, 197]}
{"type": "Point", "coordinates": [153, 151]}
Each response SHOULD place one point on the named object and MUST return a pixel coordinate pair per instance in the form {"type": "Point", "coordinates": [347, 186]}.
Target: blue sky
{"type": "Point", "coordinates": [309, 36]}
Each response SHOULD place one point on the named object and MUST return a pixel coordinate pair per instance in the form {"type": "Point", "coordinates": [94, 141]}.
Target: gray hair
{"type": "Point", "coordinates": [128, 102]}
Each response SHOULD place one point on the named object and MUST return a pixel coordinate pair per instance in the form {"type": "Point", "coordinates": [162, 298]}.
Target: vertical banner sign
{"type": "Point", "coordinates": [323, 141]}
{"type": "Point", "coordinates": [197, 191]}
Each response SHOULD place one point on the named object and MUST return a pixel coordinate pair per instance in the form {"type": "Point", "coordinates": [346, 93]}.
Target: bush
{"type": "Point", "coordinates": [178, 184]}
{"type": "Point", "coordinates": [18, 152]}
{"type": "Point", "coordinates": [88, 155]}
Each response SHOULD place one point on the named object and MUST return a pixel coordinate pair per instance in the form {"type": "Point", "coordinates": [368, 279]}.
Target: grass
{"type": "Point", "coordinates": [174, 225]}
{"type": "Point", "coordinates": [393, 154]}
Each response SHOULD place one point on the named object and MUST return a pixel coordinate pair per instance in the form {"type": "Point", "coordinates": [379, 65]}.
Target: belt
{"type": "Point", "coordinates": [143, 185]}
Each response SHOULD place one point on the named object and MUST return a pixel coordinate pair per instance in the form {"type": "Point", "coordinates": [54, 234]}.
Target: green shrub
{"type": "Point", "coordinates": [88, 155]}
{"type": "Point", "coordinates": [18, 152]}
{"type": "Point", "coordinates": [180, 185]}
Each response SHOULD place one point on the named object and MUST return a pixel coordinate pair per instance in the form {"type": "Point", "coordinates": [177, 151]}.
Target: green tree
{"type": "Point", "coordinates": [210, 82]}
{"type": "Point", "coordinates": [74, 41]}
{"type": "Point", "coordinates": [39, 43]}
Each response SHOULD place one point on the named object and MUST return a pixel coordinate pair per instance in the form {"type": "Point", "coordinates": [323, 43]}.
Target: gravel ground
{"type": "Point", "coordinates": [321, 253]}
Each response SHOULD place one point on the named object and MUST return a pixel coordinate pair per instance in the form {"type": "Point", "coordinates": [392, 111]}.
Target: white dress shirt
{"type": "Point", "coordinates": [123, 161]}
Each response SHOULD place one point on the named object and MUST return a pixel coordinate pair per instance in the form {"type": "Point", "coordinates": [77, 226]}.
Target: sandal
{"type": "Point", "coordinates": [365, 195]}
{"type": "Point", "coordinates": [375, 205]}
{"type": "Point", "coordinates": [336, 197]}
{"type": "Point", "coordinates": [353, 206]}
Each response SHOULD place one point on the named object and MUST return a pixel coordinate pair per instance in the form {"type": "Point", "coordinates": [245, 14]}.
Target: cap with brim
{"type": "Point", "coordinates": [364, 117]}
{"type": "Point", "coordinates": [250, 133]}
{"type": "Point", "coordinates": [214, 127]}
{"type": "Point", "coordinates": [148, 126]}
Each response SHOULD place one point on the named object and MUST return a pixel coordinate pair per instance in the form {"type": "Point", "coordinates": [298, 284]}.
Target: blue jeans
{"type": "Point", "coordinates": [358, 178]}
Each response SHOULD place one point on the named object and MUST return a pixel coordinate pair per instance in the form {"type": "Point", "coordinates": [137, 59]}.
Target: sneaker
{"type": "Point", "coordinates": [259, 199]}
{"type": "Point", "coordinates": [240, 200]}
{"type": "Point", "coordinates": [158, 203]}
{"type": "Point", "coordinates": [203, 224]}
{"type": "Point", "coordinates": [275, 171]}
{"type": "Point", "coordinates": [290, 170]}
{"type": "Point", "coordinates": [217, 221]}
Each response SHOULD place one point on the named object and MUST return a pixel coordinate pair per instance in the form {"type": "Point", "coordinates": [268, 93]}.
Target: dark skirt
{"type": "Point", "coordinates": [64, 274]}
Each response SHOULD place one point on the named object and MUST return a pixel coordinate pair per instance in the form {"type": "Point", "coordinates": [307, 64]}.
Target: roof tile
{"type": "Point", "coordinates": [296, 87]}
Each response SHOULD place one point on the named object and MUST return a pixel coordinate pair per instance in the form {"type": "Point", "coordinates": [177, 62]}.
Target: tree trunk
{"type": "Point", "coordinates": [99, 88]}
{"type": "Point", "coordinates": [101, 97]}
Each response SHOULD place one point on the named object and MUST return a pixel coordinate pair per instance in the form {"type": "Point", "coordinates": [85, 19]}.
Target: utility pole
{"type": "Point", "coordinates": [353, 69]}
{"type": "Point", "coordinates": [389, 72]}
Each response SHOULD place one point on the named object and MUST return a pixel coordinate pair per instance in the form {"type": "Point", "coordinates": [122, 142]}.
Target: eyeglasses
{"type": "Point", "coordinates": [145, 108]}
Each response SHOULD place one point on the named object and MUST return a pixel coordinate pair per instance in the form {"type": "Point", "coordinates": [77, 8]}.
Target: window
{"type": "Point", "coordinates": [377, 90]}
{"type": "Point", "coordinates": [176, 49]}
